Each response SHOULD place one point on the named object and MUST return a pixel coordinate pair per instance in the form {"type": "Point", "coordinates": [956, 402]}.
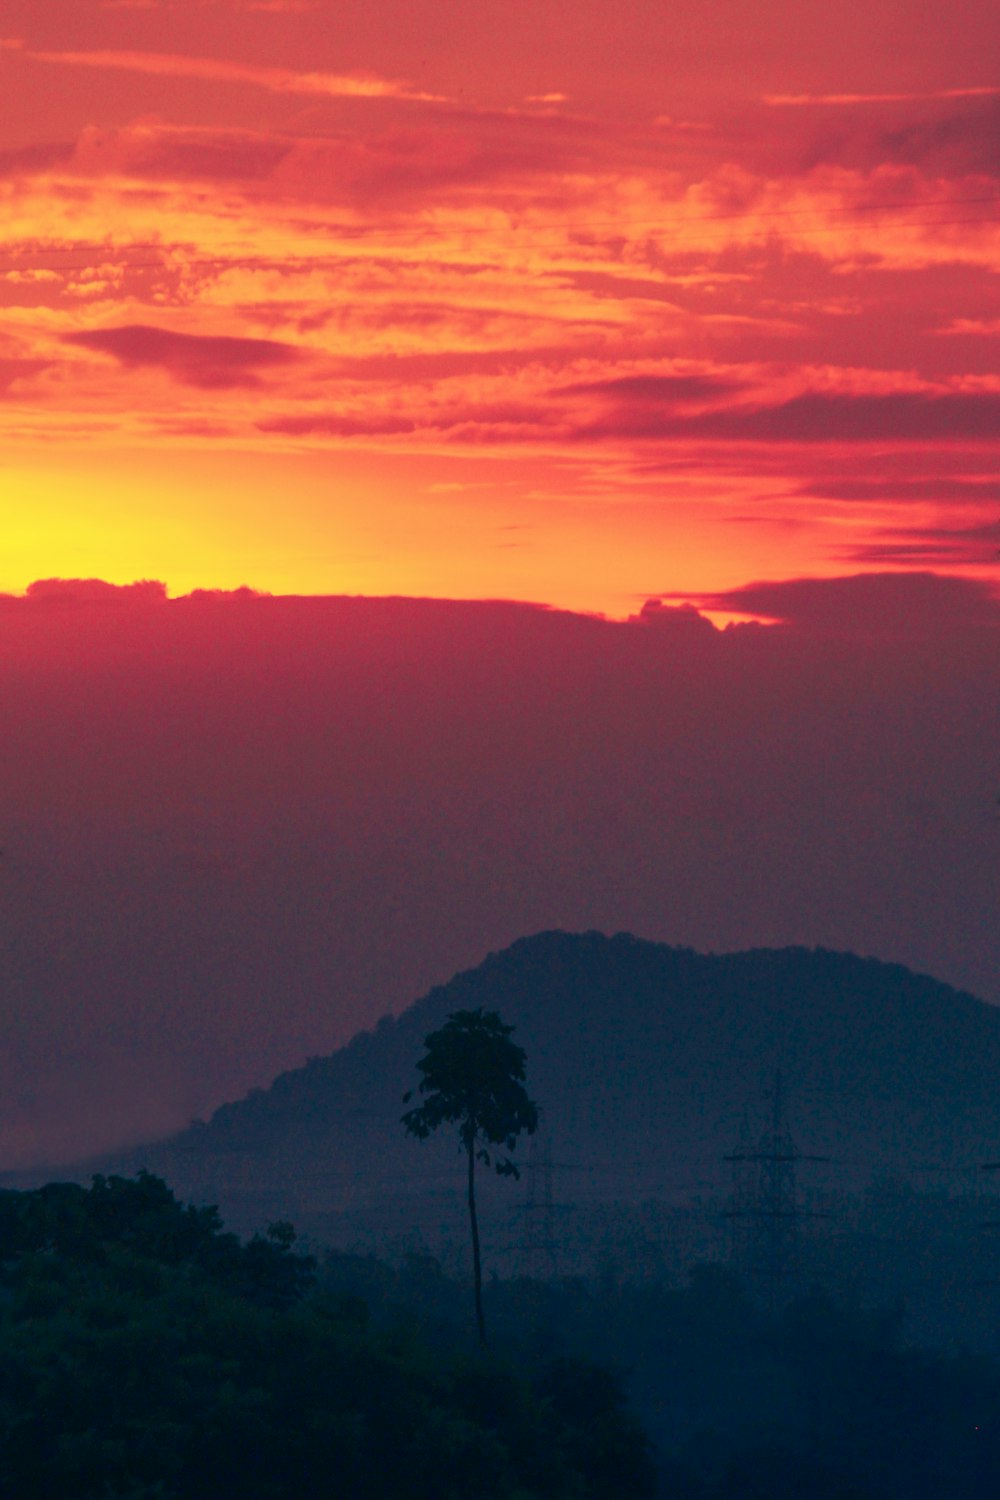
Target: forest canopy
{"type": "Point", "coordinates": [146, 1354]}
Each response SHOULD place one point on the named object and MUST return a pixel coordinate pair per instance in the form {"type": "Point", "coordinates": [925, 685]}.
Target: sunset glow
{"type": "Point", "coordinates": [557, 305]}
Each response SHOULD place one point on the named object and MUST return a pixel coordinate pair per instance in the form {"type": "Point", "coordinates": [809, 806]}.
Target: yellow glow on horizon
{"type": "Point", "coordinates": [315, 524]}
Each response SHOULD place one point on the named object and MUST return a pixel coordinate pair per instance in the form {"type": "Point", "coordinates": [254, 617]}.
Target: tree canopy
{"type": "Point", "coordinates": [473, 1078]}
{"type": "Point", "coordinates": [146, 1354]}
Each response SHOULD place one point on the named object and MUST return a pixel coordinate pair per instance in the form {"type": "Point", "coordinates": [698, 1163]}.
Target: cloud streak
{"type": "Point", "coordinates": [984, 91]}
{"type": "Point", "coordinates": [219, 70]}
{"type": "Point", "coordinates": [207, 361]}
{"type": "Point", "coordinates": [895, 604]}
{"type": "Point", "coordinates": [907, 416]}
{"type": "Point", "coordinates": [932, 547]}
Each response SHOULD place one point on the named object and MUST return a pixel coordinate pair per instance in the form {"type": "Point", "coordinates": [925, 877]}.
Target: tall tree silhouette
{"type": "Point", "coordinates": [473, 1077]}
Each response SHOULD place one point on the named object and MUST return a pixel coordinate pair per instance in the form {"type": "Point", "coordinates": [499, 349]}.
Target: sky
{"type": "Point", "coordinates": [238, 828]}
{"type": "Point", "coordinates": [670, 330]}
{"type": "Point", "coordinates": [574, 304]}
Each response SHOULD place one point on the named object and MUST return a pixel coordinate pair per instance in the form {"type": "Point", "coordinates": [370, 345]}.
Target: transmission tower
{"type": "Point", "coordinates": [764, 1209]}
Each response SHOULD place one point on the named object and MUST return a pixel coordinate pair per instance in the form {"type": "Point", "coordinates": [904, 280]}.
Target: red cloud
{"type": "Point", "coordinates": [203, 360]}
{"type": "Point", "coordinates": [945, 141]}
{"type": "Point", "coordinates": [867, 604]}
{"type": "Point", "coordinates": [936, 489]}
{"type": "Point", "coordinates": [90, 591]}
{"type": "Point", "coordinates": [657, 388]}
{"type": "Point", "coordinates": [219, 70]}
{"type": "Point", "coordinates": [484, 422]}
{"type": "Point", "coordinates": [39, 157]}
{"type": "Point", "coordinates": [933, 546]}
{"type": "Point", "coordinates": [821, 417]}
{"type": "Point", "coordinates": [13, 370]}
{"type": "Point", "coordinates": [221, 155]}
{"type": "Point", "coordinates": [683, 622]}
{"type": "Point", "coordinates": [338, 425]}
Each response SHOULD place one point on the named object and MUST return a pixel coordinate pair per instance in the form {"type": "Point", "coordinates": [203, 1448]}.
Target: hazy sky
{"type": "Point", "coordinates": [564, 302]}
{"type": "Point", "coordinates": [237, 829]}
{"type": "Point", "coordinates": [582, 305]}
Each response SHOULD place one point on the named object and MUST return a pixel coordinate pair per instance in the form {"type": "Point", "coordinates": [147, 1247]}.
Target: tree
{"type": "Point", "coordinates": [139, 1360]}
{"type": "Point", "coordinates": [473, 1077]}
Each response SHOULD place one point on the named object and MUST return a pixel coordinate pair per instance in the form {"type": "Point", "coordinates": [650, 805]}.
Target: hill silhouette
{"type": "Point", "coordinates": [644, 1058]}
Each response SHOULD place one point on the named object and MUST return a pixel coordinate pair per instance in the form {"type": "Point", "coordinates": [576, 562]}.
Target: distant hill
{"type": "Point", "coordinates": [644, 1058]}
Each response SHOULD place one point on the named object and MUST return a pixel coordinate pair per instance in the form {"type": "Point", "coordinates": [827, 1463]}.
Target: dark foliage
{"type": "Point", "coordinates": [473, 1078]}
{"type": "Point", "coordinates": [147, 1355]}
{"type": "Point", "coordinates": [819, 1400]}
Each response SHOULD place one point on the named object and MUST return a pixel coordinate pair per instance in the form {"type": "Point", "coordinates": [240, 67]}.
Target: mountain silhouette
{"type": "Point", "coordinates": [644, 1059]}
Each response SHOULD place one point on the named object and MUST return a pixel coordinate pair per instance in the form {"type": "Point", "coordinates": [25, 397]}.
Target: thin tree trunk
{"type": "Point", "coordinates": [477, 1270]}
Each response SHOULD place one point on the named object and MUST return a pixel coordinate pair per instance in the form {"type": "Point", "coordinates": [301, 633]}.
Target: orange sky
{"type": "Point", "coordinates": [574, 303]}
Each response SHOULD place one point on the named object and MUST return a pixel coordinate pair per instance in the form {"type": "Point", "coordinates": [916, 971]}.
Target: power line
{"type": "Point", "coordinates": [764, 1209]}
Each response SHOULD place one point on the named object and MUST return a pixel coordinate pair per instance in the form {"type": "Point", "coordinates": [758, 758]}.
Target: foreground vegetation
{"type": "Point", "coordinates": [815, 1399]}
{"type": "Point", "coordinates": [147, 1355]}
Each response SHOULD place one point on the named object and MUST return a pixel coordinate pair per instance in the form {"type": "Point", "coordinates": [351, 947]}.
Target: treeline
{"type": "Point", "coordinates": [818, 1398]}
{"type": "Point", "coordinates": [146, 1354]}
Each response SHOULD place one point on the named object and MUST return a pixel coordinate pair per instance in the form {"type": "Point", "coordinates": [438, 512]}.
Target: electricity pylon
{"type": "Point", "coordinates": [764, 1209]}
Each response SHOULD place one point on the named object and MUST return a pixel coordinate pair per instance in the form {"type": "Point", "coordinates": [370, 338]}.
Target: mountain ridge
{"type": "Point", "coordinates": [644, 1058]}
